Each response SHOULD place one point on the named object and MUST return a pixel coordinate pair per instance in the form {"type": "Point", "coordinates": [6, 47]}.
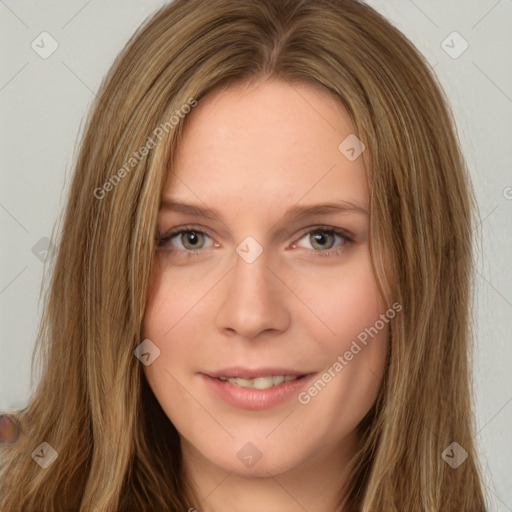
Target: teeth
{"type": "Point", "coordinates": [277, 379]}
{"type": "Point", "coordinates": [260, 382]}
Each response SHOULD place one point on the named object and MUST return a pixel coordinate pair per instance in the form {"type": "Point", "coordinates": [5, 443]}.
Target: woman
{"type": "Point", "coordinates": [243, 372]}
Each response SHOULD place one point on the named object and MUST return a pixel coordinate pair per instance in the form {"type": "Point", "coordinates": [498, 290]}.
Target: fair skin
{"type": "Point", "coordinates": [251, 154]}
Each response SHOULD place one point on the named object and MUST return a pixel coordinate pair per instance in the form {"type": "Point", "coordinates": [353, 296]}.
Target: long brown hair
{"type": "Point", "coordinates": [116, 448]}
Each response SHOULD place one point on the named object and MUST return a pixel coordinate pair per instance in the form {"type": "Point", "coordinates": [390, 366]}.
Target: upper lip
{"type": "Point", "coordinates": [251, 373]}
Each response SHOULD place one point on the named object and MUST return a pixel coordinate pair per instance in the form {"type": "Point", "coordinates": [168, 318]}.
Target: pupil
{"type": "Point", "coordinates": [190, 236]}
{"type": "Point", "coordinates": [320, 237]}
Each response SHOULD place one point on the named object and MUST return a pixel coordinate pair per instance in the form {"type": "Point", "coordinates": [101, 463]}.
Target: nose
{"type": "Point", "coordinates": [254, 300]}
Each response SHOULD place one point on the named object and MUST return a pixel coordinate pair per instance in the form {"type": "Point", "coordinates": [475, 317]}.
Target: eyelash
{"type": "Point", "coordinates": [347, 239]}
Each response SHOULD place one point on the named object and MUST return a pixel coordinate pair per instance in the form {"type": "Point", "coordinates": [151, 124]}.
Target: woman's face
{"type": "Point", "coordinates": [278, 288]}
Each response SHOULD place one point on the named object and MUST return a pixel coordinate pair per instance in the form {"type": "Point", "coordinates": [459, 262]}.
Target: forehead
{"type": "Point", "coordinates": [262, 145]}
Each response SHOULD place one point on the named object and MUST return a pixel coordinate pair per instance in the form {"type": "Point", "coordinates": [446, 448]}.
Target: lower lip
{"type": "Point", "coordinates": [252, 398]}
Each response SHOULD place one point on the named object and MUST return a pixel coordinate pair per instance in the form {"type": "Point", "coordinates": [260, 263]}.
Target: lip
{"type": "Point", "coordinates": [251, 398]}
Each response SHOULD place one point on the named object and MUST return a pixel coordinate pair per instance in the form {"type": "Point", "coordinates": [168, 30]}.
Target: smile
{"type": "Point", "coordinates": [260, 382]}
{"type": "Point", "coordinates": [255, 389]}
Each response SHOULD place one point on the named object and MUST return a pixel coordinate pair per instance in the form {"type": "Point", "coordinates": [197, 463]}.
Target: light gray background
{"type": "Point", "coordinates": [43, 103]}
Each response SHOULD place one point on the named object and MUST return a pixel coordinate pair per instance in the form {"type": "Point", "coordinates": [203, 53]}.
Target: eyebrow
{"type": "Point", "coordinates": [296, 212]}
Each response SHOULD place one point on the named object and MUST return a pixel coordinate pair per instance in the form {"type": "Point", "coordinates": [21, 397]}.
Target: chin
{"type": "Point", "coordinates": [265, 467]}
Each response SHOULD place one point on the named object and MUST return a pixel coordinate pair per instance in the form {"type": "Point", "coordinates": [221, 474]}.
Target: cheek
{"type": "Point", "coordinates": [175, 304]}
{"type": "Point", "coordinates": [352, 342]}
{"type": "Point", "coordinates": [174, 322]}
{"type": "Point", "coordinates": [167, 374]}
{"type": "Point", "coordinates": [165, 324]}
{"type": "Point", "coordinates": [345, 303]}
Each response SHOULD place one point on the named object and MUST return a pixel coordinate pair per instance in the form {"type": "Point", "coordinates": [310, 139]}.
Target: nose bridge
{"type": "Point", "coordinates": [254, 301]}
{"type": "Point", "coordinates": [251, 272]}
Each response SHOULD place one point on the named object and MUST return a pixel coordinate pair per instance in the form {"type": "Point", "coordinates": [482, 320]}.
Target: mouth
{"type": "Point", "coordinates": [256, 389]}
{"type": "Point", "coordinates": [266, 382]}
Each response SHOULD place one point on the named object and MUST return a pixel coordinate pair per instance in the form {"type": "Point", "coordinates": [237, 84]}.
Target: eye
{"type": "Point", "coordinates": [190, 240]}
{"type": "Point", "coordinates": [184, 239]}
{"type": "Point", "coordinates": [323, 239]}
